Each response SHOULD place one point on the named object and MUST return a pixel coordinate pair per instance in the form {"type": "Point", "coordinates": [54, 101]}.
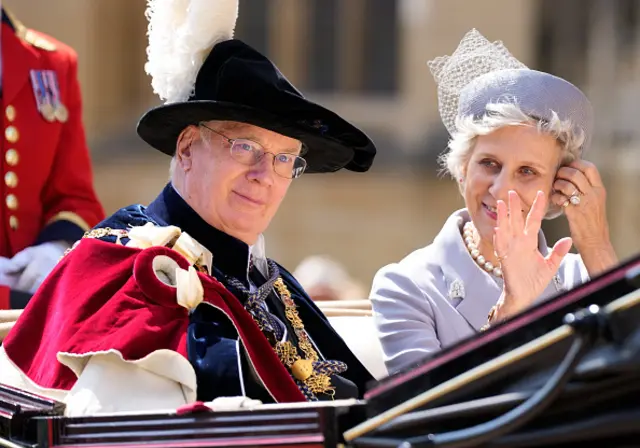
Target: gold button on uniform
{"type": "Point", "coordinates": [11, 179]}
{"type": "Point", "coordinates": [12, 202]}
{"type": "Point", "coordinates": [11, 133]}
{"type": "Point", "coordinates": [13, 222]}
{"type": "Point", "coordinates": [10, 112]}
{"type": "Point", "coordinates": [12, 157]}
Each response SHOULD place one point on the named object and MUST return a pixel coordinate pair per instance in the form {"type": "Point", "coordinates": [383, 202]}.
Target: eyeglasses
{"type": "Point", "coordinates": [248, 152]}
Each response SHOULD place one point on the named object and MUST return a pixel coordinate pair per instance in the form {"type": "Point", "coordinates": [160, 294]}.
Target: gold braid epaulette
{"type": "Point", "coordinates": [105, 231]}
{"type": "Point", "coordinates": [101, 233]}
{"type": "Point", "coordinates": [121, 233]}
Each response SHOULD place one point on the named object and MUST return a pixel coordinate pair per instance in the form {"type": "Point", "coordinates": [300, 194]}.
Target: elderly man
{"type": "Point", "coordinates": [163, 305]}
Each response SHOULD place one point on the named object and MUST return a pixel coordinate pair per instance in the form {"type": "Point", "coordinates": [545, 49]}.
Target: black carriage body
{"type": "Point", "coordinates": [304, 425]}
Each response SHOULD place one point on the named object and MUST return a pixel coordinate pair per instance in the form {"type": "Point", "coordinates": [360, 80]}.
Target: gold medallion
{"type": "Point", "coordinates": [302, 369]}
{"type": "Point", "coordinates": [62, 113]}
{"type": "Point", "coordinates": [47, 112]}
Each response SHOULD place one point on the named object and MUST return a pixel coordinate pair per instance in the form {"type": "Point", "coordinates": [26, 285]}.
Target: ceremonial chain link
{"type": "Point", "coordinates": [255, 302]}
{"type": "Point", "coordinates": [312, 375]}
{"type": "Point", "coordinates": [315, 374]}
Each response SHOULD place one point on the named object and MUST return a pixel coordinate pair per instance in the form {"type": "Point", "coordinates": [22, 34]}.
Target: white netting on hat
{"type": "Point", "coordinates": [474, 57]}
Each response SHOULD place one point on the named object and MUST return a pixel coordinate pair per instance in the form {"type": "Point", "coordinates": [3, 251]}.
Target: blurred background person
{"type": "Point", "coordinates": [48, 199]}
{"type": "Point", "coordinates": [344, 302]}
{"type": "Point", "coordinates": [325, 279]}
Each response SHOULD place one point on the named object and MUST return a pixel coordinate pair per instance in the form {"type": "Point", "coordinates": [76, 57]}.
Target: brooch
{"type": "Point", "coordinates": [456, 289]}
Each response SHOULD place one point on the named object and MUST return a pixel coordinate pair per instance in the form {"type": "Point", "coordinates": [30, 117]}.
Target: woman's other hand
{"type": "Point", "coordinates": [579, 189]}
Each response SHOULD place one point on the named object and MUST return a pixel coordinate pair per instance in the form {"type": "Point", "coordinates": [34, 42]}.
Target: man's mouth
{"type": "Point", "coordinates": [249, 199]}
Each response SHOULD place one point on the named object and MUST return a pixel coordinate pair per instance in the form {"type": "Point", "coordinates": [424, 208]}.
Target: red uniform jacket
{"type": "Point", "coordinates": [47, 182]}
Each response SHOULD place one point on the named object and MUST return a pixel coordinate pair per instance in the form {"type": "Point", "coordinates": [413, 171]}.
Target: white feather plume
{"type": "Point", "coordinates": [181, 35]}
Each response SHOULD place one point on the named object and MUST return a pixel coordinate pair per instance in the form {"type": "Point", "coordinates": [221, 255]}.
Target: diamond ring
{"type": "Point", "coordinates": [575, 199]}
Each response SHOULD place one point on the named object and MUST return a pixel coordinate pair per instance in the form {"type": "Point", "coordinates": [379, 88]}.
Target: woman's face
{"type": "Point", "coordinates": [517, 158]}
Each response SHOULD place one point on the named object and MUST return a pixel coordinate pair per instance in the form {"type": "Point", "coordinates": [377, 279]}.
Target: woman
{"type": "Point", "coordinates": [517, 139]}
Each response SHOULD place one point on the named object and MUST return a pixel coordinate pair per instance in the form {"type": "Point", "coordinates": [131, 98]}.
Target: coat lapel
{"type": "Point", "coordinates": [480, 290]}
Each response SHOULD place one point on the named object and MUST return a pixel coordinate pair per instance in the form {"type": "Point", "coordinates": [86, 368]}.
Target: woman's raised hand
{"type": "Point", "coordinates": [525, 270]}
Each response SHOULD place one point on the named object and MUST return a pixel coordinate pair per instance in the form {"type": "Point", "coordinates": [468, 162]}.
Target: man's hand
{"type": "Point", "coordinates": [32, 265]}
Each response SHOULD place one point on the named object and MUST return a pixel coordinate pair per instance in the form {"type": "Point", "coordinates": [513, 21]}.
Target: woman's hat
{"type": "Point", "coordinates": [480, 72]}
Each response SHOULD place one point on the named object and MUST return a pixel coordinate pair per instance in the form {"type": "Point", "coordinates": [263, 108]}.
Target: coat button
{"type": "Point", "coordinates": [11, 179]}
{"type": "Point", "coordinates": [12, 202]}
{"type": "Point", "coordinates": [13, 222]}
{"type": "Point", "coordinates": [12, 157]}
{"type": "Point", "coordinates": [10, 112]}
{"type": "Point", "coordinates": [11, 133]}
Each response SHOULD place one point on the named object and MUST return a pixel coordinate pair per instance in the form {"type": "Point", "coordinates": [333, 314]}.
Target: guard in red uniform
{"type": "Point", "coordinates": [48, 200]}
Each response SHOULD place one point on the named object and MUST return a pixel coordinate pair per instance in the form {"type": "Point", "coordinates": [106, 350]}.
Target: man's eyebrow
{"type": "Point", "coordinates": [294, 150]}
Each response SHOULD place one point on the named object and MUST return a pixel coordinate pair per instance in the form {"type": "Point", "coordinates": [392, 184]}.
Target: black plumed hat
{"type": "Point", "coordinates": [235, 82]}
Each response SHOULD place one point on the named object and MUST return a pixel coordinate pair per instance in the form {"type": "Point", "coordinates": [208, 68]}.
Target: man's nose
{"type": "Point", "coordinates": [263, 169]}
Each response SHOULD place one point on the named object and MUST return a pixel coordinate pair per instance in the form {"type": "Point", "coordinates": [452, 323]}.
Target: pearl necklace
{"type": "Point", "coordinates": [467, 234]}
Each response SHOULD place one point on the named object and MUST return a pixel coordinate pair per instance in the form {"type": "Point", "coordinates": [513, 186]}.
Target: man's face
{"type": "Point", "coordinates": [234, 197]}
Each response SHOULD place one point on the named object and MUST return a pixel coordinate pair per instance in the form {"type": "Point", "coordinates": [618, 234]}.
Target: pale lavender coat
{"type": "Point", "coordinates": [438, 295]}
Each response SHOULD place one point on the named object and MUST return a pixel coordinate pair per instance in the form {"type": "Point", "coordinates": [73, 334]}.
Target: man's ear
{"type": "Point", "coordinates": [184, 147]}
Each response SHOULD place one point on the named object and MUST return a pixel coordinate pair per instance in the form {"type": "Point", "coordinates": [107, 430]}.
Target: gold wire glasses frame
{"type": "Point", "coordinates": [248, 152]}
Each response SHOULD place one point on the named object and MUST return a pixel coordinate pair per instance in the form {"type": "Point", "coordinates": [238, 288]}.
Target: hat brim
{"type": "Point", "coordinates": [160, 127]}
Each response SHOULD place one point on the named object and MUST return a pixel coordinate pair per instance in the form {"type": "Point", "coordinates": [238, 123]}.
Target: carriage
{"type": "Point", "coordinates": [564, 373]}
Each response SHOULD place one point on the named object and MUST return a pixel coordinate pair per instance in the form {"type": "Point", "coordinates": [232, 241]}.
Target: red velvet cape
{"type": "Point", "coordinates": [104, 296]}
